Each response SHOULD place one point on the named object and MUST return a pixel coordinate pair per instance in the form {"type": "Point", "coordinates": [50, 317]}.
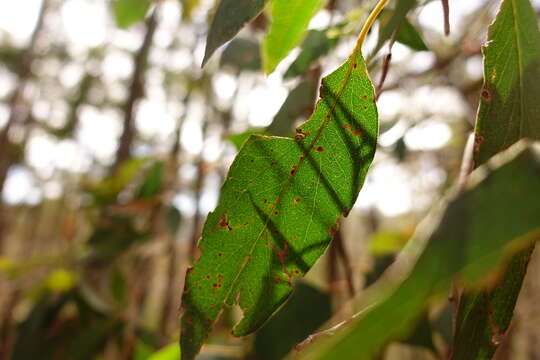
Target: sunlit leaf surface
{"type": "Point", "coordinates": [279, 208]}
{"type": "Point", "coordinates": [509, 110]}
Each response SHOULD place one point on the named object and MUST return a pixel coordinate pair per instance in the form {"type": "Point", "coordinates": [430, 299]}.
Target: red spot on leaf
{"type": "Point", "coordinates": [353, 131]}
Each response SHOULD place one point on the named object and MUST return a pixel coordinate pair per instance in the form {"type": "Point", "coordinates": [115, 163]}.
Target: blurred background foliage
{"type": "Point", "coordinates": [114, 143]}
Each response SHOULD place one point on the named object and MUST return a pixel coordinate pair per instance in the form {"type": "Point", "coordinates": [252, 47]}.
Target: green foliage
{"type": "Point", "coordinates": [307, 309]}
{"type": "Point", "coordinates": [290, 19]}
{"type": "Point", "coordinates": [406, 34]}
{"type": "Point", "coordinates": [509, 111]}
{"type": "Point", "coordinates": [316, 44]}
{"type": "Point", "coordinates": [128, 12]}
{"type": "Point", "coordinates": [242, 54]}
{"type": "Point", "coordinates": [464, 240]}
{"type": "Point", "coordinates": [279, 207]}
{"type": "Point", "coordinates": [230, 17]}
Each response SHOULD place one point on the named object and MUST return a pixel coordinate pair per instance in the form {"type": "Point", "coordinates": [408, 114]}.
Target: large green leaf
{"type": "Point", "coordinates": [128, 12]}
{"type": "Point", "coordinates": [464, 240]}
{"type": "Point", "coordinates": [509, 110]}
{"type": "Point", "coordinates": [279, 208]}
{"type": "Point", "coordinates": [290, 19]}
{"type": "Point", "coordinates": [230, 17]}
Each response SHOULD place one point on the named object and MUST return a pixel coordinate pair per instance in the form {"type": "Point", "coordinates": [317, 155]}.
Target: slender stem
{"type": "Point", "coordinates": [369, 22]}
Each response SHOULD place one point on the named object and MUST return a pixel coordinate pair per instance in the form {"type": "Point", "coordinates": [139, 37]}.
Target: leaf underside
{"type": "Point", "coordinates": [509, 110]}
{"type": "Point", "coordinates": [279, 208]}
{"type": "Point", "coordinates": [229, 19]}
{"type": "Point", "coordinates": [465, 241]}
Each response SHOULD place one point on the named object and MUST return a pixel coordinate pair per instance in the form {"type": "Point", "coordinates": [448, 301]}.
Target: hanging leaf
{"type": "Point", "coordinates": [399, 16]}
{"type": "Point", "coordinates": [128, 12]}
{"type": "Point", "coordinates": [465, 241]}
{"type": "Point", "coordinates": [509, 110]}
{"type": "Point", "coordinates": [279, 208]}
{"type": "Point", "coordinates": [407, 33]}
{"type": "Point", "coordinates": [307, 309]}
{"type": "Point", "coordinates": [317, 44]}
{"type": "Point", "coordinates": [290, 19]}
{"type": "Point", "coordinates": [242, 54]}
{"type": "Point", "coordinates": [230, 17]}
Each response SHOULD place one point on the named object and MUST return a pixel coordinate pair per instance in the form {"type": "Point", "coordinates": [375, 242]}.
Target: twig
{"type": "Point", "coordinates": [446, 12]}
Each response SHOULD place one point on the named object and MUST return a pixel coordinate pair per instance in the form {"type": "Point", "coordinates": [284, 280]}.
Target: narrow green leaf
{"type": "Point", "coordinates": [399, 16]}
{"type": "Point", "coordinates": [290, 19]}
{"type": "Point", "coordinates": [509, 110]}
{"type": "Point", "coordinates": [242, 54]}
{"type": "Point", "coordinates": [279, 207]}
{"type": "Point", "coordinates": [407, 33]}
{"type": "Point", "coordinates": [128, 12]}
{"type": "Point", "coordinates": [229, 19]}
{"type": "Point", "coordinates": [316, 44]}
{"type": "Point", "coordinates": [465, 240]}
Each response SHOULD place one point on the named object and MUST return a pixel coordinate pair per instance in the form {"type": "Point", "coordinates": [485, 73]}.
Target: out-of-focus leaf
{"type": "Point", "coordinates": [307, 309]}
{"type": "Point", "coordinates": [387, 242]}
{"type": "Point", "coordinates": [173, 218]}
{"type": "Point", "coordinates": [509, 110]}
{"type": "Point", "coordinates": [407, 33]}
{"type": "Point", "coordinates": [422, 334]}
{"type": "Point", "coordinates": [279, 208]}
{"type": "Point", "coordinates": [399, 16]}
{"type": "Point", "coordinates": [187, 8]}
{"type": "Point", "coordinates": [290, 19]}
{"type": "Point", "coordinates": [242, 54]}
{"type": "Point", "coordinates": [128, 12]}
{"type": "Point", "coordinates": [61, 280]}
{"type": "Point", "coordinates": [151, 185]}
{"type": "Point", "coordinates": [114, 235]}
{"type": "Point", "coordinates": [230, 17]}
{"type": "Point", "coordinates": [316, 45]}
{"type": "Point", "coordinates": [169, 352]}
{"type": "Point", "coordinates": [117, 286]}
{"type": "Point", "coordinates": [106, 191]}
{"type": "Point", "coordinates": [465, 240]}
{"type": "Point", "coordinates": [298, 104]}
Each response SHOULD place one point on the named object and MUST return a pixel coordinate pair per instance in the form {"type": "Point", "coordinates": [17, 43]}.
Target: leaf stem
{"type": "Point", "coordinates": [369, 22]}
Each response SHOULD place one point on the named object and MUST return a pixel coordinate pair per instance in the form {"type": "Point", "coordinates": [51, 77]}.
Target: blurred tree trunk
{"type": "Point", "coordinates": [136, 92]}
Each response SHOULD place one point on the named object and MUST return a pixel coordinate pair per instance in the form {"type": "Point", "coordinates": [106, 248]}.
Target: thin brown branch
{"type": "Point", "coordinates": [136, 92]}
{"type": "Point", "coordinates": [446, 12]}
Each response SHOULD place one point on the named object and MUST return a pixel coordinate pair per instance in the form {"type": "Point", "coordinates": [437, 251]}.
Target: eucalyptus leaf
{"type": "Point", "coordinates": [279, 208]}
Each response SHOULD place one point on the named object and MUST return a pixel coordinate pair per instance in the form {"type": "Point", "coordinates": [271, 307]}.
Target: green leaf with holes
{"type": "Point", "coordinates": [229, 18]}
{"type": "Point", "coordinates": [464, 240]}
{"type": "Point", "coordinates": [509, 110]}
{"type": "Point", "coordinates": [279, 207]}
{"type": "Point", "coordinates": [290, 19]}
{"type": "Point", "coordinates": [128, 12]}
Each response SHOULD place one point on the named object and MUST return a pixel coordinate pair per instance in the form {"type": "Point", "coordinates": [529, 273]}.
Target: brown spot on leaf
{"type": "Point", "coordinates": [478, 140]}
{"type": "Point", "coordinates": [297, 199]}
{"type": "Point", "coordinates": [219, 254]}
{"type": "Point", "coordinates": [485, 95]}
{"type": "Point", "coordinates": [300, 134]}
{"type": "Point", "coordinates": [319, 148]}
{"type": "Point", "coordinates": [293, 170]}
{"type": "Point", "coordinates": [353, 131]}
{"type": "Point", "coordinates": [364, 97]}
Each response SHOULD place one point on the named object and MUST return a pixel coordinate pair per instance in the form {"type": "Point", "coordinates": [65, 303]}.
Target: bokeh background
{"type": "Point", "coordinates": [114, 144]}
